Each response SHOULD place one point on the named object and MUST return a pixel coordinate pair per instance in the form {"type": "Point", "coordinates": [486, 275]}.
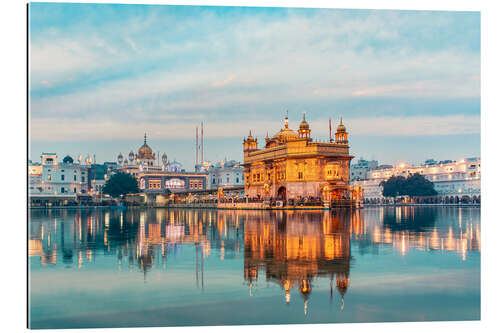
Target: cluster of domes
{"type": "Point", "coordinates": [144, 156]}
{"type": "Point", "coordinates": [286, 134]}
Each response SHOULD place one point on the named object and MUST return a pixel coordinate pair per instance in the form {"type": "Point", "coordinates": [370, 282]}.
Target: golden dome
{"type": "Point", "coordinates": [341, 127]}
{"type": "Point", "coordinates": [342, 284]}
{"type": "Point", "coordinates": [304, 125]}
{"type": "Point", "coordinates": [145, 152]}
{"type": "Point", "coordinates": [285, 134]}
{"type": "Point", "coordinates": [305, 288]}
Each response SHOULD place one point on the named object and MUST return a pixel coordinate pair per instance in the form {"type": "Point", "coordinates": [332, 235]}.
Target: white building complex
{"type": "Point", "coordinates": [360, 169]}
{"type": "Point", "coordinates": [225, 174]}
{"type": "Point", "coordinates": [456, 181]}
{"type": "Point", "coordinates": [53, 179]}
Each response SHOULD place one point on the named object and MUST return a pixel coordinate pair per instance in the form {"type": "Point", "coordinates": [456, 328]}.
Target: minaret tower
{"type": "Point", "coordinates": [341, 134]}
{"type": "Point", "coordinates": [304, 130]}
{"type": "Point", "coordinates": [249, 144]}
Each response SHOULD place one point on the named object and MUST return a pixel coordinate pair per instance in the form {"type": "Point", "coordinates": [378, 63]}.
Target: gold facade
{"type": "Point", "coordinates": [293, 166]}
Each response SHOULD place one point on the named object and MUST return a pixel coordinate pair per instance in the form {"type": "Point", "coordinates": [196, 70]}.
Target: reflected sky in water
{"type": "Point", "coordinates": [170, 267]}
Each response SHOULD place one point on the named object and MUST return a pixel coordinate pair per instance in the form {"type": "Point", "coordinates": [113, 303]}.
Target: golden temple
{"type": "Point", "coordinates": [294, 166]}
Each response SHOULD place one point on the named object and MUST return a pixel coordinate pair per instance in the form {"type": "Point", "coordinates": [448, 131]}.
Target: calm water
{"type": "Point", "coordinates": [159, 267]}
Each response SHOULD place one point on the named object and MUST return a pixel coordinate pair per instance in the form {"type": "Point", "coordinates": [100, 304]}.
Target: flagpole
{"type": "Point", "coordinates": [330, 127]}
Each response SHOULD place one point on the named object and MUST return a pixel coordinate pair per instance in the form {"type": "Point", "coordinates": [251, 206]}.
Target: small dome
{"type": "Point", "coordinates": [68, 159]}
{"type": "Point", "coordinates": [341, 127]}
{"type": "Point", "coordinates": [120, 155]}
{"type": "Point", "coordinates": [304, 125]}
{"type": "Point", "coordinates": [250, 137]}
{"type": "Point", "coordinates": [305, 288]}
{"type": "Point", "coordinates": [342, 284]}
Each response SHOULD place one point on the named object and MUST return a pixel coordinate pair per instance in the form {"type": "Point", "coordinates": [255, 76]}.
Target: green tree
{"type": "Point", "coordinates": [120, 183]}
{"type": "Point", "coordinates": [414, 186]}
{"type": "Point", "coordinates": [418, 186]}
{"type": "Point", "coordinates": [394, 186]}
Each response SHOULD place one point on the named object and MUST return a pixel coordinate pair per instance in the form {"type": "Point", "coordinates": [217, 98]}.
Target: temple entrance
{"type": "Point", "coordinates": [282, 193]}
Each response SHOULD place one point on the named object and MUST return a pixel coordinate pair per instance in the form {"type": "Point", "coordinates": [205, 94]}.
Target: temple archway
{"type": "Point", "coordinates": [282, 193]}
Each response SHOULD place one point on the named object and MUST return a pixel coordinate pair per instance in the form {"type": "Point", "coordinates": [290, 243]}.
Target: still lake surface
{"type": "Point", "coordinates": [169, 267]}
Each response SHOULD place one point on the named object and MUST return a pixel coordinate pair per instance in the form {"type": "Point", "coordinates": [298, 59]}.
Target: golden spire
{"type": "Point", "coordinates": [286, 119]}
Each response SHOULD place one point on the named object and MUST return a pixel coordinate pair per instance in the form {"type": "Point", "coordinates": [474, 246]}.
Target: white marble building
{"type": "Point", "coordinates": [453, 181]}
{"type": "Point", "coordinates": [225, 174]}
{"type": "Point", "coordinates": [53, 178]}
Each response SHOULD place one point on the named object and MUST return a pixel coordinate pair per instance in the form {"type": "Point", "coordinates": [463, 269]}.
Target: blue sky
{"type": "Point", "coordinates": [406, 83]}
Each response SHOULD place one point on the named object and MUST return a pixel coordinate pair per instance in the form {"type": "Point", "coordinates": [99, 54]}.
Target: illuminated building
{"type": "Point", "coordinates": [453, 181]}
{"type": "Point", "coordinates": [155, 178]}
{"type": "Point", "coordinates": [165, 181]}
{"type": "Point", "coordinates": [293, 165]}
{"type": "Point", "coordinates": [360, 169]}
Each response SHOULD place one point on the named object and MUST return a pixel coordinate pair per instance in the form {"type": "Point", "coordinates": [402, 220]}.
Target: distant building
{"type": "Point", "coordinates": [453, 181]}
{"type": "Point", "coordinates": [50, 178]}
{"type": "Point", "coordinates": [146, 160]}
{"type": "Point", "coordinates": [225, 174]}
{"type": "Point", "coordinates": [360, 169]}
{"type": "Point", "coordinates": [171, 182]}
{"type": "Point", "coordinates": [99, 174]}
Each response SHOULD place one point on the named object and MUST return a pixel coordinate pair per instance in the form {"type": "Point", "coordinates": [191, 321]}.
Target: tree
{"type": "Point", "coordinates": [418, 186]}
{"type": "Point", "coordinates": [414, 186]}
{"type": "Point", "coordinates": [394, 186]}
{"type": "Point", "coordinates": [120, 183]}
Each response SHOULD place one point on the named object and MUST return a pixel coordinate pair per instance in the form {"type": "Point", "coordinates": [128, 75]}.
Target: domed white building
{"type": "Point", "coordinates": [155, 174]}
{"type": "Point", "coordinates": [145, 160]}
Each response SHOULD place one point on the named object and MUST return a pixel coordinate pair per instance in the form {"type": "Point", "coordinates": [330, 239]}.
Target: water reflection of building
{"type": "Point", "coordinates": [290, 249]}
{"type": "Point", "coordinates": [421, 229]}
{"type": "Point", "coordinates": [293, 249]}
{"type": "Point", "coordinates": [140, 239]}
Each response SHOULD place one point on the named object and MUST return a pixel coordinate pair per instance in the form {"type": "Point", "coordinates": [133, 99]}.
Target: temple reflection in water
{"type": "Point", "coordinates": [290, 249]}
{"type": "Point", "coordinates": [294, 248]}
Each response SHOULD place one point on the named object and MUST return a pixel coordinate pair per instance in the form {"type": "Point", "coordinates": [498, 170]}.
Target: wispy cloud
{"type": "Point", "coordinates": [55, 129]}
{"type": "Point", "coordinates": [117, 70]}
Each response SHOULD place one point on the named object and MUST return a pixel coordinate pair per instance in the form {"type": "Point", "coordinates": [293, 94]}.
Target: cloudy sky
{"type": "Point", "coordinates": [406, 83]}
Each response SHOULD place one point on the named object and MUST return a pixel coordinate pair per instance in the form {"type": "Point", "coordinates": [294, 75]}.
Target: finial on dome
{"type": "Point", "coordinates": [304, 116]}
{"type": "Point", "coordinates": [286, 119]}
{"type": "Point", "coordinates": [144, 137]}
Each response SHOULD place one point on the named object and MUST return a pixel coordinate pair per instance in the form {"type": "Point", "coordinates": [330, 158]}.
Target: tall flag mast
{"type": "Point", "coordinates": [330, 125]}
{"type": "Point", "coordinates": [196, 164]}
{"type": "Point", "coordinates": [202, 143]}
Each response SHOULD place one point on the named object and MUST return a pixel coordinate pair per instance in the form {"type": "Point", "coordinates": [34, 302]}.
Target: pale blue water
{"type": "Point", "coordinates": [160, 267]}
